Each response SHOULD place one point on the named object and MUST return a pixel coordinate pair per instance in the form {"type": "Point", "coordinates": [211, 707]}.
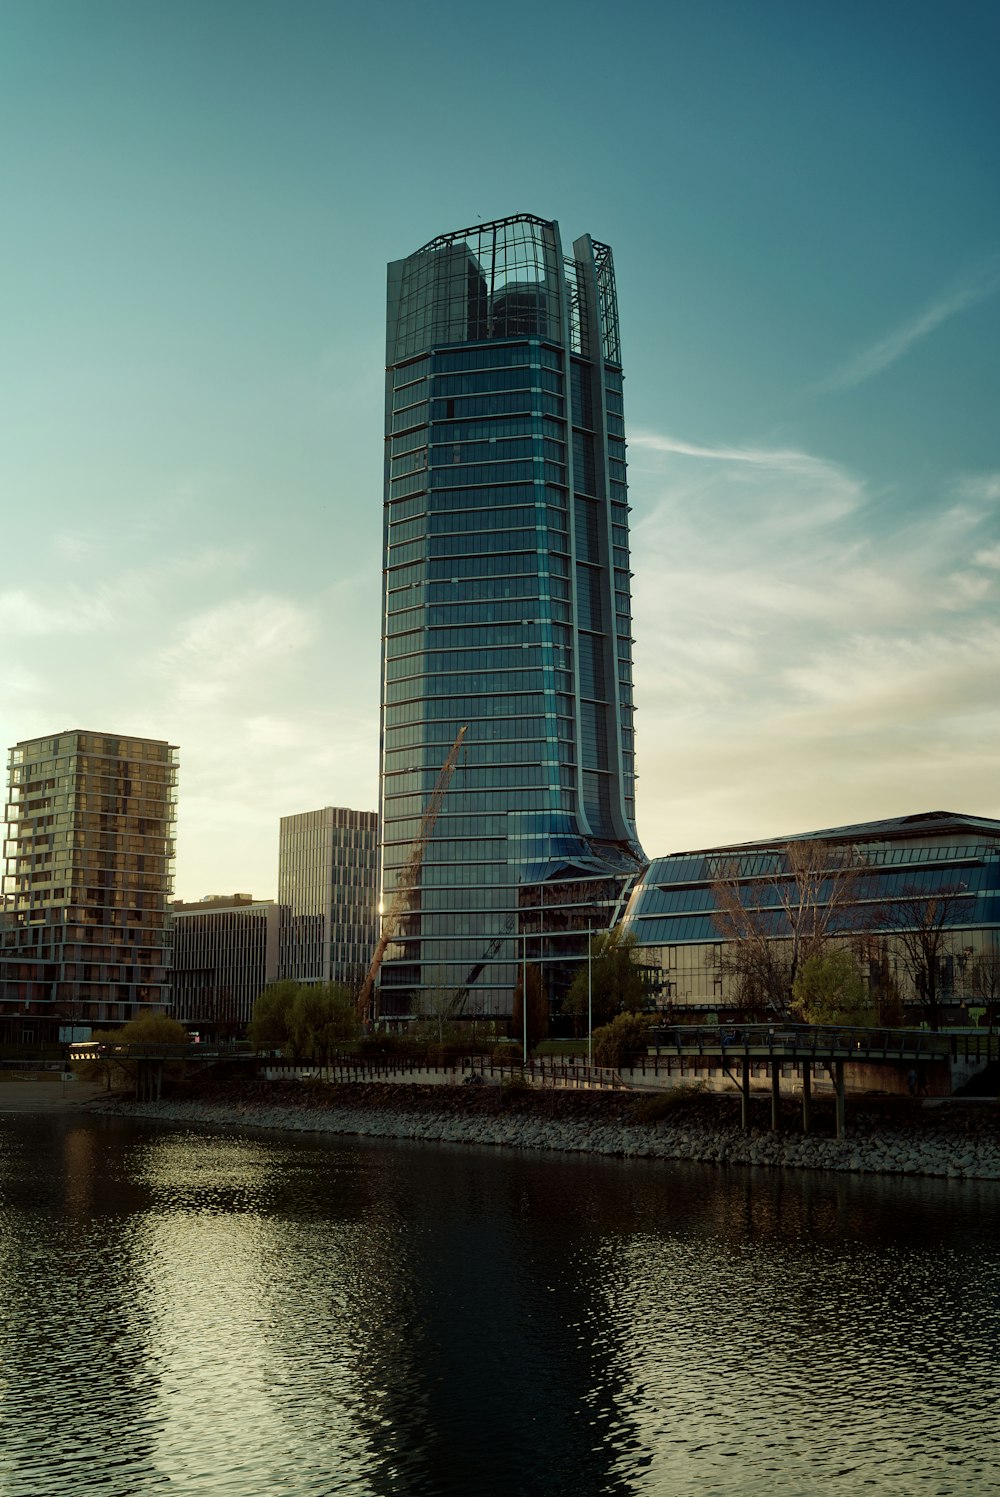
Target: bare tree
{"type": "Point", "coordinates": [751, 955]}
{"type": "Point", "coordinates": [772, 920]}
{"type": "Point", "coordinates": [871, 950]}
{"type": "Point", "coordinates": [921, 922]}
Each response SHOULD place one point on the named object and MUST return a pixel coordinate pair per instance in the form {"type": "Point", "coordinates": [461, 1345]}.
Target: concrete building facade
{"type": "Point", "coordinates": [327, 888]}
{"type": "Point", "coordinates": [89, 871]}
{"type": "Point", "coordinates": [225, 952]}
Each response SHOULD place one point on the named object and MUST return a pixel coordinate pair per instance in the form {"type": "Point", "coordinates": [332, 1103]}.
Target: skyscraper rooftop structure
{"type": "Point", "coordinates": [506, 607]}
{"type": "Point", "coordinates": [89, 871]}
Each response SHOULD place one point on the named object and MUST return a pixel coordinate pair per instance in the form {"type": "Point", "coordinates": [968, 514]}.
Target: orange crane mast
{"type": "Point", "coordinates": [408, 876]}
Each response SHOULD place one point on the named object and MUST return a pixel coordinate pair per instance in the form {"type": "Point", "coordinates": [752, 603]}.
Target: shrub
{"type": "Point", "coordinates": [389, 1047]}
{"type": "Point", "coordinates": [665, 1104]}
{"type": "Point", "coordinates": [152, 1029]}
{"type": "Point", "coordinates": [515, 1086]}
{"type": "Point", "coordinates": [616, 1043]}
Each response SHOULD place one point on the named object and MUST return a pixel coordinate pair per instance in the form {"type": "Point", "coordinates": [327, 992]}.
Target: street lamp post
{"type": "Point", "coordinates": [590, 996]}
{"type": "Point", "coordinates": [524, 991]}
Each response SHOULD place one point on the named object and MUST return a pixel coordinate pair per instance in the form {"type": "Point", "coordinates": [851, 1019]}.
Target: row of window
{"type": "Point", "coordinates": [419, 687]}
{"type": "Point", "coordinates": [506, 449]}
{"type": "Point", "coordinates": [411, 395]}
{"type": "Point", "coordinates": [463, 407]}
{"type": "Point", "coordinates": [485, 796]}
{"type": "Point", "coordinates": [463, 522]}
{"type": "Point", "coordinates": [512, 564]}
{"type": "Point", "coordinates": [492, 541]}
{"type": "Point", "coordinates": [465, 709]}
{"type": "Point", "coordinates": [413, 769]}
{"type": "Point", "coordinates": [485, 431]}
{"type": "Point", "coordinates": [406, 374]}
{"type": "Point", "coordinates": [476, 474]}
{"type": "Point", "coordinates": [466, 850]}
{"type": "Point", "coordinates": [412, 416]}
{"type": "Point", "coordinates": [432, 735]}
{"type": "Point", "coordinates": [472, 791]}
{"type": "Point", "coordinates": [479, 611]}
{"type": "Point", "coordinates": [401, 830]}
{"type": "Point", "coordinates": [480, 499]}
{"type": "Point", "coordinates": [456, 385]}
{"type": "Point", "coordinates": [487, 589]}
{"type": "Point", "coordinates": [494, 658]}
{"type": "Point", "coordinates": [476, 551]}
{"type": "Point", "coordinates": [434, 641]}
{"type": "Point", "coordinates": [497, 356]}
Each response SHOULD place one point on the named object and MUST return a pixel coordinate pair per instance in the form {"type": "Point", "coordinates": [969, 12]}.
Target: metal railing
{"type": "Point", "coordinates": [837, 1041]}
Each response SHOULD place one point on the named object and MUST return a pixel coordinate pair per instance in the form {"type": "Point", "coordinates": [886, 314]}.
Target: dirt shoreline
{"type": "Point", "coordinates": [18, 1096]}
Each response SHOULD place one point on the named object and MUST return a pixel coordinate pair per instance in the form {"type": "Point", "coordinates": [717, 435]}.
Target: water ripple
{"type": "Point", "coordinates": [213, 1315]}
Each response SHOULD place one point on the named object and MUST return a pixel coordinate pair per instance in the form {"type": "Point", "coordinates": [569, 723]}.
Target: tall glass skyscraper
{"type": "Point", "coordinates": [506, 606]}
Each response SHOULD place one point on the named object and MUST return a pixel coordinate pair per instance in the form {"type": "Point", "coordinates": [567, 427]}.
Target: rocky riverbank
{"type": "Point", "coordinates": [893, 1136]}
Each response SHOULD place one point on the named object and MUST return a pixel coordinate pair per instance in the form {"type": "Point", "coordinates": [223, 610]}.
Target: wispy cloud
{"type": "Point", "coordinates": [50, 610]}
{"type": "Point", "coordinates": [823, 490]}
{"type": "Point", "coordinates": [797, 663]}
{"type": "Point", "coordinates": [974, 287]}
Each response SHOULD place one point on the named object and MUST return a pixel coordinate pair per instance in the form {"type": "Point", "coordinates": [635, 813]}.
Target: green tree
{"type": "Point", "coordinates": [617, 981]}
{"type": "Point", "coordinates": [143, 1030]}
{"type": "Point", "coordinates": [270, 1021]}
{"type": "Point", "coordinates": [829, 989]}
{"type": "Point", "coordinates": [152, 1029]}
{"type": "Point", "coordinates": [321, 1019]}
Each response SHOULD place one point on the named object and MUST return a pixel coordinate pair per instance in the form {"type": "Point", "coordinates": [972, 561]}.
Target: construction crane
{"type": "Point", "coordinates": [459, 998]}
{"type": "Point", "coordinates": [408, 875]}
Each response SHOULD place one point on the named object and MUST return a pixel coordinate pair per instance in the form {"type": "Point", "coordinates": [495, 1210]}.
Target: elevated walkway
{"type": "Point", "coordinates": [914, 1060]}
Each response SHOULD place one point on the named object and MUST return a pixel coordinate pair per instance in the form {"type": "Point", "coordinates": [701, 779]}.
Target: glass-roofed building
{"type": "Point", "coordinates": [937, 865]}
{"type": "Point", "coordinates": [506, 608]}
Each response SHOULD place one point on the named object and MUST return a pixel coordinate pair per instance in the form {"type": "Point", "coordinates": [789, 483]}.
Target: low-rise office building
{"type": "Point", "coordinates": [225, 952]}
{"type": "Point", "coordinates": [328, 890]}
{"type": "Point", "coordinates": [871, 886]}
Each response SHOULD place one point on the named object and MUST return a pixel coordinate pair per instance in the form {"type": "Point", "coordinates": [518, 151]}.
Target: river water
{"type": "Point", "coordinates": [208, 1313]}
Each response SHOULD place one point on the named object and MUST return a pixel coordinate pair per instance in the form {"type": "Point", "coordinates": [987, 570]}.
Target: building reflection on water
{"type": "Point", "coordinates": [216, 1314]}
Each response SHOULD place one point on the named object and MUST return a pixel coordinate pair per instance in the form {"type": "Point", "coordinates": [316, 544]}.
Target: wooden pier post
{"type": "Point", "coordinates": [775, 1094]}
{"type": "Point", "coordinates": [806, 1095]}
{"type": "Point", "coordinates": [745, 1095]}
{"type": "Point", "coordinates": [838, 1079]}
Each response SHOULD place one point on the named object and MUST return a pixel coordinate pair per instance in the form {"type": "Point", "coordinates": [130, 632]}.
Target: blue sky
{"type": "Point", "coordinates": [198, 204]}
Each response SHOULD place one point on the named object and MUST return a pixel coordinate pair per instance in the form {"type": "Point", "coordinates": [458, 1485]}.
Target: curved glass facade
{"type": "Point", "coordinates": [506, 607]}
{"type": "Point", "coordinates": [674, 910]}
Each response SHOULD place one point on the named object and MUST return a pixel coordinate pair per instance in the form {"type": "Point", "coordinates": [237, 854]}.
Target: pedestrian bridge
{"type": "Point", "coordinates": [834, 1048]}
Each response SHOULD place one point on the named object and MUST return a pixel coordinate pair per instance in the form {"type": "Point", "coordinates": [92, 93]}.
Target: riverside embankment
{"type": "Point", "coordinates": [892, 1136]}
